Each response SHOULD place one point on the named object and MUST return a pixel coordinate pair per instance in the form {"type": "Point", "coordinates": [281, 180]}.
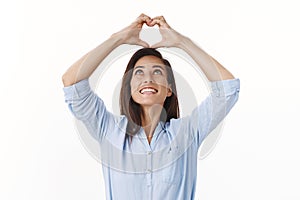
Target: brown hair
{"type": "Point", "coordinates": [131, 109]}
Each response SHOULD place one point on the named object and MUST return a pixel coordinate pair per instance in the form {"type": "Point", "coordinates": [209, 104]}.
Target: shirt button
{"type": "Point", "coordinates": [149, 152]}
{"type": "Point", "coordinates": [149, 170]}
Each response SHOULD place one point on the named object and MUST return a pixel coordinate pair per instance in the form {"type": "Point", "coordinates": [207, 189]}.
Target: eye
{"type": "Point", "coordinates": [157, 72]}
{"type": "Point", "coordinates": [138, 72]}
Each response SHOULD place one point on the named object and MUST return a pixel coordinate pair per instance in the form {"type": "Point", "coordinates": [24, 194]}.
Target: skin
{"type": "Point", "coordinates": [86, 65]}
{"type": "Point", "coordinates": [150, 72]}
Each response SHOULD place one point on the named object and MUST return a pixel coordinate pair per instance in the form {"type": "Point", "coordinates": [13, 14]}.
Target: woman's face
{"type": "Point", "coordinates": [149, 85]}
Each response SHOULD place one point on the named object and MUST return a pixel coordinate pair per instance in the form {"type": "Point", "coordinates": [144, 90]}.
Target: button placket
{"type": "Point", "coordinates": [149, 168]}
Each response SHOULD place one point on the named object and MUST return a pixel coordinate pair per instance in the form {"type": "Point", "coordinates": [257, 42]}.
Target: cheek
{"type": "Point", "coordinates": [134, 85]}
{"type": "Point", "coordinates": [162, 81]}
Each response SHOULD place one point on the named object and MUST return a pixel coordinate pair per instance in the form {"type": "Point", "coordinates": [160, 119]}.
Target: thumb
{"type": "Point", "coordinates": [158, 45]}
{"type": "Point", "coordinates": [142, 43]}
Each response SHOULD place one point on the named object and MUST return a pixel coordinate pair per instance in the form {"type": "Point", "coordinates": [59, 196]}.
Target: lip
{"type": "Point", "coordinates": [147, 87]}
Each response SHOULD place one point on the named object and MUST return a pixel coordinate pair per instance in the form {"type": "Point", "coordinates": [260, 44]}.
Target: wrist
{"type": "Point", "coordinates": [116, 39]}
{"type": "Point", "coordinates": [184, 42]}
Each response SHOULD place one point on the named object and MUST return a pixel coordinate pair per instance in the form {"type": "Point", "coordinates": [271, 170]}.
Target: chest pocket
{"type": "Point", "coordinates": [168, 181]}
{"type": "Point", "coordinates": [172, 177]}
{"type": "Point", "coordinates": [172, 174]}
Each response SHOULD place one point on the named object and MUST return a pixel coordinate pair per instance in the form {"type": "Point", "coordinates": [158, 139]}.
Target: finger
{"type": "Point", "coordinates": [142, 43]}
{"type": "Point", "coordinates": [143, 15]}
{"type": "Point", "coordinates": [156, 22]}
{"type": "Point", "coordinates": [143, 19]}
{"type": "Point", "coordinates": [160, 21]}
{"type": "Point", "coordinates": [158, 45]}
{"type": "Point", "coordinates": [160, 18]}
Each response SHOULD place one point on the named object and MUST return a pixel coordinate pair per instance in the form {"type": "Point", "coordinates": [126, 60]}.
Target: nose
{"type": "Point", "coordinates": [148, 79]}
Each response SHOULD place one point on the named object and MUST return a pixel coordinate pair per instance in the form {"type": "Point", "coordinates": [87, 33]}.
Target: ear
{"type": "Point", "coordinates": [169, 93]}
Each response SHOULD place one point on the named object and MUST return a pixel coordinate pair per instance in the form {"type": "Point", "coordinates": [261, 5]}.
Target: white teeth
{"type": "Point", "coordinates": [148, 90]}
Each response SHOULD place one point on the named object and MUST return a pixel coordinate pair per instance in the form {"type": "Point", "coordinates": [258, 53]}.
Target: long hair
{"type": "Point", "coordinates": [131, 109]}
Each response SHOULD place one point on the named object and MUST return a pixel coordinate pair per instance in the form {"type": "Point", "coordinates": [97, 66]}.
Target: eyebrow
{"type": "Point", "coordinates": [154, 66]}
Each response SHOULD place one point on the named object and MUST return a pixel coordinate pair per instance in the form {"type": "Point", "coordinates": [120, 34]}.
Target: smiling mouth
{"type": "Point", "coordinates": [148, 90]}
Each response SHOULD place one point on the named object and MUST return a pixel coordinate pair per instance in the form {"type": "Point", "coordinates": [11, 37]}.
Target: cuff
{"type": "Point", "coordinates": [225, 87]}
{"type": "Point", "coordinates": [77, 90]}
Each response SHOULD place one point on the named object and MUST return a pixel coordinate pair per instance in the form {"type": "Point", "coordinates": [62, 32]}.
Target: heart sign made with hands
{"type": "Point", "coordinates": [131, 34]}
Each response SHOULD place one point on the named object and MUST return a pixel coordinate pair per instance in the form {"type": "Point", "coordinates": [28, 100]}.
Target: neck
{"type": "Point", "coordinates": [150, 118]}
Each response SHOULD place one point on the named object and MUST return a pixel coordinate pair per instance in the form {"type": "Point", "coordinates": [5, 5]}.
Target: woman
{"type": "Point", "coordinates": [149, 152]}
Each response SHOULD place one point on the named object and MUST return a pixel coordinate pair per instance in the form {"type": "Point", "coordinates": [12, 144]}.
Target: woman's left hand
{"type": "Point", "coordinates": [131, 33]}
{"type": "Point", "coordinates": [170, 38]}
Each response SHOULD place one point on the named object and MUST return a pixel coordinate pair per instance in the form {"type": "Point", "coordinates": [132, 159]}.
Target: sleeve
{"type": "Point", "coordinates": [87, 107]}
{"type": "Point", "coordinates": [206, 117]}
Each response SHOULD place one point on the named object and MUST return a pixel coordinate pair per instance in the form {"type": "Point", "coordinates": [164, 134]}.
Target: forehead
{"type": "Point", "coordinates": [148, 60]}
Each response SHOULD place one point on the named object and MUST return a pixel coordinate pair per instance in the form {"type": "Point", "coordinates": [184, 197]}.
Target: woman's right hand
{"type": "Point", "coordinates": [131, 34]}
{"type": "Point", "coordinates": [170, 37]}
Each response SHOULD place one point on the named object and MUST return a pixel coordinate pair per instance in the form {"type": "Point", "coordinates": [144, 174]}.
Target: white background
{"type": "Point", "coordinates": [257, 156]}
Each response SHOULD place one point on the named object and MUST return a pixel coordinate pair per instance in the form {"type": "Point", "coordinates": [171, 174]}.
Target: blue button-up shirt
{"type": "Point", "coordinates": [165, 169]}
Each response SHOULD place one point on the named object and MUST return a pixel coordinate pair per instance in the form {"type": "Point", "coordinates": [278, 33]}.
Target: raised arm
{"type": "Point", "coordinates": [212, 69]}
{"type": "Point", "coordinates": [85, 66]}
